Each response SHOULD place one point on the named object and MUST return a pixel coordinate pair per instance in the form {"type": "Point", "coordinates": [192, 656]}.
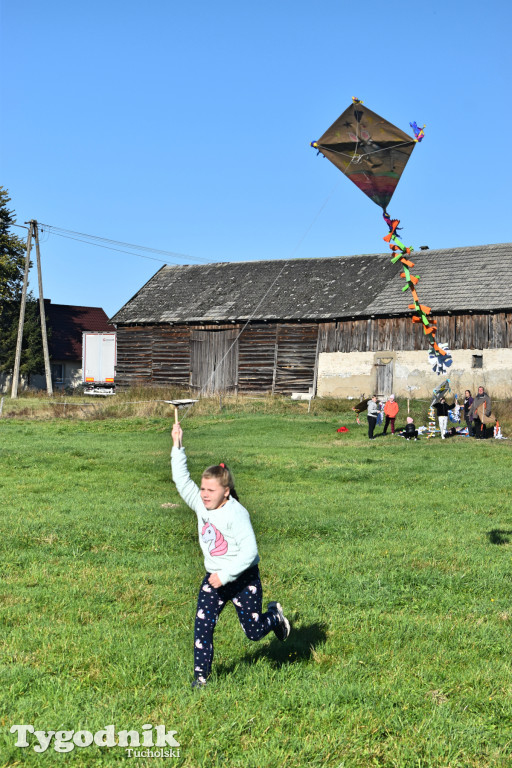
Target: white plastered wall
{"type": "Point", "coordinates": [350, 374]}
{"type": "Point", "coordinates": [71, 373]}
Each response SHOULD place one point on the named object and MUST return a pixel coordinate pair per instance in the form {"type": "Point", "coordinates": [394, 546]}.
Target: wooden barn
{"type": "Point", "coordinates": [337, 326]}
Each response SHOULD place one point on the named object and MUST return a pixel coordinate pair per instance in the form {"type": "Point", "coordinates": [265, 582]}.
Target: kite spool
{"type": "Point", "coordinates": [177, 405]}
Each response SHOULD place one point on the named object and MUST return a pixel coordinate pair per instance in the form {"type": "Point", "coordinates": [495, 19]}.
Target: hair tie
{"type": "Point", "coordinates": [222, 465]}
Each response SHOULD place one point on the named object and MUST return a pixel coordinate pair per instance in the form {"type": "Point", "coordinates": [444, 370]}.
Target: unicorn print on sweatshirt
{"type": "Point", "coordinates": [217, 544]}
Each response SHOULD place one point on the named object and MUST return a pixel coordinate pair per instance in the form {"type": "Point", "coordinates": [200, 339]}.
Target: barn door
{"type": "Point", "coordinates": [384, 377]}
{"type": "Point", "coordinates": [213, 360]}
{"type": "Point", "coordinates": [295, 357]}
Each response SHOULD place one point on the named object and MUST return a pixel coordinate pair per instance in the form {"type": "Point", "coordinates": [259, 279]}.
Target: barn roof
{"type": "Point", "coordinates": [476, 278]}
{"type": "Point", "coordinates": [67, 322]}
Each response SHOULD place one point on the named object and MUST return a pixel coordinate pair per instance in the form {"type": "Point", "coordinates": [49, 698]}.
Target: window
{"type": "Point", "coordinates": [478, 361]}
{"type": "Point", "coordinates": [57, 373]}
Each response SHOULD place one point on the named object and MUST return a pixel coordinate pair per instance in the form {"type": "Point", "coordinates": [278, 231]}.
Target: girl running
{"type": "Point", "coordinates": [231, 559]}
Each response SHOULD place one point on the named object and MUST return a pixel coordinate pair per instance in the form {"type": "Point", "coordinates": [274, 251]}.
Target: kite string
{"type": "Point", "coordinates": [251, 316]}
{"type": "Point", "coordinates": [365, 154]}
{"type": "Point", "coordinates": [387, 149]}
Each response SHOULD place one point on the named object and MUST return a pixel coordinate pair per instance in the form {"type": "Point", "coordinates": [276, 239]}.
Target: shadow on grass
{"type": "Point", "coordinates": [300, 646]}
{"type": "Point", "coordinates": [497, 536]}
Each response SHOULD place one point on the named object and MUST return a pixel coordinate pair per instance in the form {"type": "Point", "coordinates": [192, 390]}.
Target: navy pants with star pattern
{"type": "Point", "coordinates": [246, 594]}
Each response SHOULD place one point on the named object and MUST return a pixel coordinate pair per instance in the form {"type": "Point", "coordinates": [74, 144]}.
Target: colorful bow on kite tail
{"type": "Point", "coordinates": [373, 153]}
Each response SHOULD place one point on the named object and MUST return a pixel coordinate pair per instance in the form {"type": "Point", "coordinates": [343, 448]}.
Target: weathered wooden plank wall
{"type": "Point", "coordinates": [153, 355]}
{"type": "Point", "coordinates": [171, 355]}
{"type": "Point", "coordinates": [280, 357]}
{"type": "Point", "coordinates": [369, 335]}
{"type": "Point", "coordinates": [484, 331]}
{"type": "Point", "coordinates": [277, 357]}
{"type": "Point", "coordinates": [134, 355]}
{"type": "Point", "coordinates": [296, 354]}
{"type": "Point", "coordinates": [256, 358]}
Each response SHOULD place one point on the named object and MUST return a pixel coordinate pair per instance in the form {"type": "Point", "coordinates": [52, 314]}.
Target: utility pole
{"type": "Point", "coordinates": [16, 373]}
{"type": "Point", "coordinates": [47, 370]}
{"type": "Point", "coordinates": [33, 232]}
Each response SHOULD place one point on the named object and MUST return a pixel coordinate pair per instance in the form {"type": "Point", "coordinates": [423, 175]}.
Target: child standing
{"type": "Point", "coordinates": [231, 559]}
{"type": "Point", "coordinates": [443, 410]}
{"type": "Point", "coordinates": [390, 411]}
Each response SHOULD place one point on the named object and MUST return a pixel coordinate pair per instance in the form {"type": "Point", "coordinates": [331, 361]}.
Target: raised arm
{"type": "Point", "coordinates": [185, 486]}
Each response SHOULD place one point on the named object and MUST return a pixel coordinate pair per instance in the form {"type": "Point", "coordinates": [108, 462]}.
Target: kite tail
{"type": "Point", "coordinates": [421, 311]}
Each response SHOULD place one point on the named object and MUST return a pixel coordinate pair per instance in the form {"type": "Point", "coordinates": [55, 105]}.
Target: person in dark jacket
{"type": "Point", "coordinates": [373, 412]}
{"type": "Point", "coordinates": [468, 402]}
{"type": "Point", "coordinates": [442, 409]}
{"type": "Point", "coordinates": [484, 399]}
{"type": "Point", "coordinates": [410, 432]}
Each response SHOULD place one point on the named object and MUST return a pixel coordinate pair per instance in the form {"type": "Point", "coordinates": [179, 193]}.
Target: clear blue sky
{"type": "Point", "coordinates": [186, 127]}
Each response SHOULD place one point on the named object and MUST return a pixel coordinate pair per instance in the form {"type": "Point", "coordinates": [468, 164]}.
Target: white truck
{"type": "Point", "coordinates": [98, 363]}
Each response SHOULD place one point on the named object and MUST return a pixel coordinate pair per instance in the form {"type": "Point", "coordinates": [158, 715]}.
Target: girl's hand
{"type": "Point", "coordinates": [215, 581]}
{"type": "Point", "coordinates": [177, 435]}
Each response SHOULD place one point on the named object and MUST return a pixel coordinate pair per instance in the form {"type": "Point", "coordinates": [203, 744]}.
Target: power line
{"type": "Point", "coordinates": [103, 241]}
{"type": "Point", "coordinates": [109, 248]}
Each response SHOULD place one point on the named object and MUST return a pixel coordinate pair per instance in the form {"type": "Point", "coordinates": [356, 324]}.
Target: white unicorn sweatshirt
{"type": "Point", "coordinates": [225, 534]}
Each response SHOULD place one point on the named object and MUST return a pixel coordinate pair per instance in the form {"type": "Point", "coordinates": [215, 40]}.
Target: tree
{"type": "Point", "coordinates": [12, 268]}
{"type": "Point", "coordinates": [12, 254]}
{"type": "Point", "coordinates": [32, 358]}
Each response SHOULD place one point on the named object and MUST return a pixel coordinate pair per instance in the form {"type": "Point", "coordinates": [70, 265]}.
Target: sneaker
{"type": "Point", "coordinates": [198, 682]}
{"type": "Point", "coordinates": [282, 631]}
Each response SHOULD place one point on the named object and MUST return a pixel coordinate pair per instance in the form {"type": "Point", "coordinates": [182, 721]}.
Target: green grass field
{"type": "Point", "coordinates": [391, 558]}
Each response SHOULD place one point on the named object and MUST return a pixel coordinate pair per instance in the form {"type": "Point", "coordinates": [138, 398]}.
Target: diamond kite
{"type": "Point", "coordinates": [369, 150]}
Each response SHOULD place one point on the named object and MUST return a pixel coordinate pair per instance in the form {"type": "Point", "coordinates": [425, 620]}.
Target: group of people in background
{"type": "Point", "coordinates": [390, 413]}
{"type": "Point", "coordinates": [474, 410]}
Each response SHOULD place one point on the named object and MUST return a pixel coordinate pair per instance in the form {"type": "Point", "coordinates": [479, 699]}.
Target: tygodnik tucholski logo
{"type": "Point", "coordinates": [155, 740]}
